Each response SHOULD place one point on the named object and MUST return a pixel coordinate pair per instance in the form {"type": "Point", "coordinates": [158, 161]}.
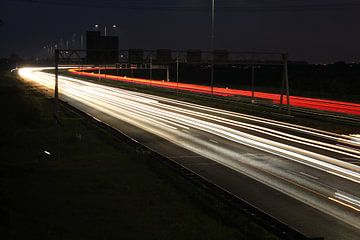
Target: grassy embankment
{"type": "Point", "coordinates": [236, 104]}
{"type": "Point", "coordinates": [98, 187]}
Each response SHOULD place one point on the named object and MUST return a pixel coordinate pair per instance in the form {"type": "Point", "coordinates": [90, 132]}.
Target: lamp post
{"type": "Point", "coordinates": [105, 28]}
{"type": "Point", "coordinates": [212, 45]}
{"type": "Point", "coordinates": [81, 42]}
{"type": "Point", "coordinates": [177, 75]}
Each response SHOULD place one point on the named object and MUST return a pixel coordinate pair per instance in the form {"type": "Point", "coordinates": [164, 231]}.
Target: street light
{"type": "Point", "coordinates": [212, 44]}
{"type": "Point", "coordinates": [81, 41]}
{"type": "Point", "coordinates": [105, 28]}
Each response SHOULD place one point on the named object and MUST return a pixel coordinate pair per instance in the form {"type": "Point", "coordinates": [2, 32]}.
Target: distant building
{"type": "Point", "coordinates": [101, 49]}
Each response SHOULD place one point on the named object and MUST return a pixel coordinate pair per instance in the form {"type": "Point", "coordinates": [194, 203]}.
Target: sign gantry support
{"type": "Point", "coordinates": [285, 84]}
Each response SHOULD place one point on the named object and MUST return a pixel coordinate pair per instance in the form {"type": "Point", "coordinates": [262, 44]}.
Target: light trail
{"type": "Point", "coordinates": [226, 137]}
{"type": "Point", "coordinates": [303, 102]}
{"type": "Point", "coordinates": [348, 198]}
{"type": "Point", "coordinates": [306, 130]}
{"type": "Point", "coordinates": [345, 204]}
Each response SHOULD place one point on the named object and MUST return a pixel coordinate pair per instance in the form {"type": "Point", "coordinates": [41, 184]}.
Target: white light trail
{"type": "Point", "coordinates": [166, 117]}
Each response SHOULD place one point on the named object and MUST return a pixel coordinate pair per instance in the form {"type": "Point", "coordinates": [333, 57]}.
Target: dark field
{"type": "Point", "coordinates": [93, 186]}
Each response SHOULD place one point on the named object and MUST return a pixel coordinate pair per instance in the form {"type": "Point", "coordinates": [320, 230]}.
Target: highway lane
{"type": "Point", "coordinates": [310, 169]}
{"type": "Point", "coordinates": [297, 101]}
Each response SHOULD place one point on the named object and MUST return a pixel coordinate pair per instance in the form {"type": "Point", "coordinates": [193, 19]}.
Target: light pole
{"type": "Point", "coordinates": [150, 67]}
{"type": "Point", "coordinates": [56, 90]}
{"type": "Point", "coordinates": [177, 75]}
{"type": "Point", "coordinates": [105, 28]}
{"type": "Point", "coordinates": [81, 42]}
{"type": "Point", "coordinates": [212, 45]}
{"type": "Point", "coordinates": [252, 83]}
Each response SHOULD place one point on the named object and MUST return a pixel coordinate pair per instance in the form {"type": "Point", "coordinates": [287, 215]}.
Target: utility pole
{"type": "Point", "coordinates": [150, 69]}
{"type": "Point", "coordinates": [286, 75]}
{"type": "Point", "coordinates": [56, 101]}
{"type": "Point", "coordinates": [285, 83]}
{"type": "Point", "coordinates": [177, 75]}
{"type": "Point", "coordinates": [81, 42]}
{"type": "Point", "coordinates": [167, 73]}
{"type": "Point", "coordinates": [56, 91]}
{"type": "Point", "coordinates": [212, 45]}
{"type": "Point", "coordinates": [252, 83]}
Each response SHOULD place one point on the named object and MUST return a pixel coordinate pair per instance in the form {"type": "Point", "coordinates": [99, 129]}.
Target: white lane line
{"type": "Point", "coordinates": [308, 175]}
{"type": "Point", "coordinates": [186, 156]}
{"type": "Point", "coordinates": [202, 164]}
{"type": "Point", "coordinates": [213, 141]}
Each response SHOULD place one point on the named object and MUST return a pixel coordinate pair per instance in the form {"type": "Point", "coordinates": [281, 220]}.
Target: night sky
{"type": "Point", "coordinates": [313, 30]}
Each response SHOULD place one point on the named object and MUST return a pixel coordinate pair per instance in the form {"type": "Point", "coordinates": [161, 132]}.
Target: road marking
{"type": "Point", "coordinates": [188, 156]}
{"type": "Point", "coordinates": [211, 140]}
{"type": "Point", "coordinates": [308, 175]}
{"type": "Point", "coordinates": [201, 164]}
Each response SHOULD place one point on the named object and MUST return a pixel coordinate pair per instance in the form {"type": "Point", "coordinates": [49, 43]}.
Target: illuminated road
{"type": "Point", "coordinates": [296, 101]}
{"type": "Point", "coordinates": [305, 177]}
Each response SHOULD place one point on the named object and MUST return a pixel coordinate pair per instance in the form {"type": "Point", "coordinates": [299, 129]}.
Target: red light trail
{"type": "Point", "coordinates": [296, 101]}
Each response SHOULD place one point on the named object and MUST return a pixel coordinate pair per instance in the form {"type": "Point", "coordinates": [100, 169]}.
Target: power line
{"type": "Point", "coordinates": [225, 5]}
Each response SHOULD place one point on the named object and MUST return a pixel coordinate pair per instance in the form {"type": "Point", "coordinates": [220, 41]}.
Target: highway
{"type": "Point", "coordinates": [295, 101]}
{"type": "Point", "coordinates": [307, 178]}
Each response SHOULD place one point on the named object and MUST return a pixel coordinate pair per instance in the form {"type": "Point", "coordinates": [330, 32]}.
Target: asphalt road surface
{"type": "Point", "coordinates": [307, 178]}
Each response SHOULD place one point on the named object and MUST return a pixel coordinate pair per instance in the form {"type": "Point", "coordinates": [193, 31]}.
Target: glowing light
{"type": "Point", "coordinates": [345, 204]}
{"type": "Point", "coordinates": [186, 125]}
{"type": "Point", "coordinates": [296, 101]}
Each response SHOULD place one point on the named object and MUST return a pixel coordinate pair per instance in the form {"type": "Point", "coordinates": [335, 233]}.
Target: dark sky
{"type": "Point", "coordinates": [312, 30]}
